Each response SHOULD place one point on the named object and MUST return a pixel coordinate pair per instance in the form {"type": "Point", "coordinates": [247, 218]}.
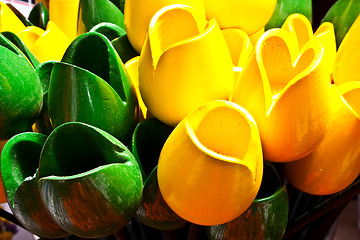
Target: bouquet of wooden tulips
{"type": "Point", "coordinates": [175, 115]}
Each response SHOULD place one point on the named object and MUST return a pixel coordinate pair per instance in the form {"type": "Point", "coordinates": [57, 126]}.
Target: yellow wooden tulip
{"type": "Point", "coordinates": [45, 45]}
{"type": "Point", "coordinates": [138, 14]}
{"type": "Point", "coordinates": [287, 93]}
{"type": "Point", "coordinates": [8, 20]}
{"type": "Point", "coordinates": [239, 45]}
{"type": "Point", "coordinates": [210, 167]}
{"type": "Point", "coordinates": [300, 26]}
{"type": "Point", "coordinates": [65, 14]}
{"type": "Point", "coordinates": [185, 63]}
{"type": "Point", "coordinates": [346, 67]}
{"type": "Point", "coordinates": [132, 67]}
{"type": "Point", "coordinates": [335, 163]}
{"type": "Point", "coordinates": [249, 16]}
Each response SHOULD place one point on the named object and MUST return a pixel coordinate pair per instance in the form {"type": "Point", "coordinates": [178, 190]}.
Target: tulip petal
{"type": "Point", "coordinates": [334, 164]}
{"type": "Point", "coordinates": [210, 167]}
{"type": "Point", "coordinates": [172, 80]}
{"type": "Point", "coordinates": [19, 163]}
{"type": "Point", "coordinates": [239, 45]}
{"type": "Point", "coordinates": [8, 20]}
{"type": "Point", "coordinates": [347, 58]}
{"type": "Point", "coordinates": [249, 16]}
{"type": "Point", "coordinates": [282, 82]}
{"type": "Point", "coordinates": [90, 181]}
{"type": "Point", "coordinates": [64, 13]}
{"type": "Point", "coordinates": [138, 15]}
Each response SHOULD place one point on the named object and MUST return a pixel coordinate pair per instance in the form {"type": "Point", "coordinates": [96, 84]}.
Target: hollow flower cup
{"type": "Point", "coordinates": [335, 163]}
{"type": "Point", "coordinates": [210, 168]}
{"type": "Point", "coordinates": [288, 94]}
{"type": "Point", "coordinates": [138, 14]}
{"type": "Point", "coordinates": [89, 180]}
{"type": "Point", "coordinates": [19, 164]}
{"type": "Point", "coordinates": [185, 62]}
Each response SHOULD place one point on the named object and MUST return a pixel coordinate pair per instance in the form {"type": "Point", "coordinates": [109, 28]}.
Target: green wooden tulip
{"type": "Point", "coordinates": [92, 86]}
{"type": "Point", "coordinates": [20, 91]}
{"type": "Point", "coordinates": [120, 4]}
{"type": "Point", "coordinates": [342, 14]}
{"type": "Point", "coordinates": [19, 163]}
{"type": "Point", "coordinates": [90, 182]}
{"type": "Point", "coordinates": [124, 48]}
{"type": "Point", "coordinates": [148, 138]}
{"type": "Point", "coordinates": [93, 12]}
{"type": "Point", "coordinates": [42, 124]}
{"type": "Point", "coordinates": [109, 30]}
{"type": "Point", "coordinates": [14, 39]}
{"type": "Point", "coordinates": [266, 218]}
{"type": "Point", "coordinates": [284, 8]}
{"type": "Point", "coordinates": [39, 15]}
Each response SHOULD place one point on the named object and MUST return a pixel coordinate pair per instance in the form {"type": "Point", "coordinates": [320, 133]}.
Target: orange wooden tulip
{"type": "Point", "coordinates": [335, 163]}
{"type": "Point", "coordinates": [287, 93]}
{"type": "Point", "coordinates": [346, 66]}
{"type": "Point", "coordinates": [300, 26]}
{"type": "Point", "coordinates": [210, 167]}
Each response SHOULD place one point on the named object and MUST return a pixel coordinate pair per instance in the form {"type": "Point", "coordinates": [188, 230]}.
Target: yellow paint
{"type": "Point", "coordinates": [8, 20]}
{"type": "Point", "coordinates": [45, 45]}
{"type": "Point", "coordinates": [288, 94]}
{"type": "Point", "coordinates": [346, 67]}
{"type": "Point", "coordinates": [185, 63]}
{"type": "Point", "coordinates": [210, 167]}
{"type": "Point", "coordinates": [138, 14]}
{"type": "Point", "coordinates": [239, 45]}
{"type": "Point", "coordinates": [300, 26]}
{"type": "Point", "coordinates": [335, 163]}
{"type": "Point", "coordinates": [132, 67]}
{"type": "Point", "coordinates": [65, 14]}
{"type": "Point", "coordinates": [249, 16]}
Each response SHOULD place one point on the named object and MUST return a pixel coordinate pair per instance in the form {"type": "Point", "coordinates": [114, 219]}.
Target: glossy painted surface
{"type": "Point", "coordinates": [110, 30]}
{"type": "Point", "coordinates": [22, 18]}
{"type": "Point", "coordinates": [300, 26]}
{"type": "Point", "coordinates": [8, 20]}
{"type": "Point", "coordinates": [284, 79]}
{"type": "Point", "coordinates": [20, 91]}
{"type": "Point", "coordinates": [138, 14]}
{"type": "Point", "coordinates": [93, 12]}
{"type": "Point", "coordinates": [267, 216]}
{"type": "Point", "coordinates": [19, 163]}
{"type": "Point", "coordinates": [46, 45]}
{"type": "Point", "coordinates": [64, 13]}
{"type": "Point", "coordinates": [93, 87]}
{"type": "Point", "coordinates": [132, 68]}
{"type": "Point", "coordinates": [207, 73]}
{"type": "Point", "coordinates": [124, 48]}
{"type": "Point", "coordinates": [39, 15]}
{"type": "Point", "coordinates": [146, 144]}
{"type": "Point", "coordinates": [42, 124]}
{"type": "Point", "coordinates": [335, 163]}
{"type": "Point", "coordinates": [22, 47]}
{"type": "Point", "coordinates": [80, 162]}
{"type": "Point", "coordinates": [210, 168]}
{"type": "Point", "coordinates": [342, 14]}
{"type": "Point", "coordinates": [239, 45]}
{"type": "Point", "coordinates": [347, 58]}
{"type": "Point", "coordinates": [285, 8]}
{"type": "Point", "coordinates": [249, 16]}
